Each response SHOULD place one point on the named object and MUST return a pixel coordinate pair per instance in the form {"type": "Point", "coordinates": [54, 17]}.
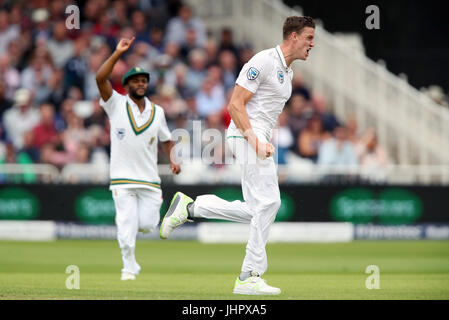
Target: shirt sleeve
{"type": "Point", "coordinates": [253, 73]}
{"type": "Point", "coordinates": [110, 104]}
{"type": "Point", "coordinates": [164, 133]}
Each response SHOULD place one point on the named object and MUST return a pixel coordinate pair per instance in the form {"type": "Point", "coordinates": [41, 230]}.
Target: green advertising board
{"type": "Point", "coordinates": [388, 206]}
{"type": "Point", "coordinates": [18, 204]}
{"type": "Point", "coordinates": [95, 206]}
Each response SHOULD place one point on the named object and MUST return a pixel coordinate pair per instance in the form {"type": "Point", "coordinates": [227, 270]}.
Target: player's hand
{"type": "Point", "coordinates": [264, 149]}
{"type": "Point", "coordinates": [175, 168]}
{"type": "Point", "coordinates": [124, 44]}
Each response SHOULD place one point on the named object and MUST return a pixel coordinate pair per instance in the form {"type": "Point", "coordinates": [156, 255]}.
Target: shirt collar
{"type": "Point", "coordinates": [281, 56]}
{"type": "Point", "coordinates": [134, 105]}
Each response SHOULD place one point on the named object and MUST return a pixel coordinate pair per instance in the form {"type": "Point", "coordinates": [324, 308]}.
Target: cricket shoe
{"type": "Point", "coordinates": [176, 214]}
{"type": "Point", "coordinates": [127, 276]}
{"type": "Point", "coordinates": [254, 285]}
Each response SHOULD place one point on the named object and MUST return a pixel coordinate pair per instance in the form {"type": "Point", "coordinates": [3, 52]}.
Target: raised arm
{"type": "Point", "coordinates": [237, 110]}
{"type": "Point", "coordinates": [104, 85]}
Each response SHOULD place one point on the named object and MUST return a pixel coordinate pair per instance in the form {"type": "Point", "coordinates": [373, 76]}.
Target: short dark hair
{"type": "Point", "coordinates": [296, 24]}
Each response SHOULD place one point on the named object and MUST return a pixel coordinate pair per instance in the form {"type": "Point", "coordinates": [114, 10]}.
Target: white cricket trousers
{"type": "Point", "coordinates": [136, 209]}
{"type": "Point", "coordinates": [262, 200]}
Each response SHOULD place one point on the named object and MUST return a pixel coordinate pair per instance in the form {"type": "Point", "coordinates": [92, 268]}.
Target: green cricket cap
{"type": "Point", "coordinates": [133, 72]}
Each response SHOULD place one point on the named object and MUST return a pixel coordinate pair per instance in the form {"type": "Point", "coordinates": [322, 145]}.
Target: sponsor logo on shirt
{"type": "Point", "coordinates": [252, 73]}
{"type": "Point", "coordinates": [280, 76]}
{"type": "Point", "coordinates": [120, 133]}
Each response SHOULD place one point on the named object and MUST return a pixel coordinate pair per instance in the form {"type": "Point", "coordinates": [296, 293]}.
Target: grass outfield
{"type": "Point", "coordinates": [181, 270]}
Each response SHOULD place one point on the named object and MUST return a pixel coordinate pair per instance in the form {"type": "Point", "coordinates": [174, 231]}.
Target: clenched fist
{"type": "Point", "coordinates": [264, 150]}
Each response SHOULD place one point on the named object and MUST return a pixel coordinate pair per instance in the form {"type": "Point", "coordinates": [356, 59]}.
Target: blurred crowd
{"type": "Point", "coordinates": [49, 101]}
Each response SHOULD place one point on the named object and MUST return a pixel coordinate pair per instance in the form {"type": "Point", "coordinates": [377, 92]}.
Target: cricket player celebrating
{"type": "Point", "coordinates": [262, 88]}
{"type": "Point", "coordinates": [137, 125]}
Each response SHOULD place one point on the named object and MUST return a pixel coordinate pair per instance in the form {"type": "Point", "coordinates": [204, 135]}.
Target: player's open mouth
{"type": "Point", "coordinates": [307, 52]}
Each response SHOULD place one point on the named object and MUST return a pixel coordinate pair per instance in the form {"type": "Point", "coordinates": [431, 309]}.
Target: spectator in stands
{"type": "Point", "coordinates": [330, 121]}
{"type": "Point", "coordinates": [76, 66]}
{"type": "Point", "coordinates": [13, 156]}
{"type": "Point", "coordinates": [99, 143]}
{"type": "Point", "coordinates": [372, 157]}
{"type": "Point", "coordinates": [215, 73]}
{"type": "Point", "coordinates": [189, 44]}
{"type": "Point", "coordinates": [9, 76]}
{"type": "Point", "coordinates": [45, 131]}
{"type": "Point", "coordinates": [171, 102]}
{"type": "Point", "coordinates": [197, 69]}
{"type": "Point", "coordinates": [21, 118]}
{"type": "Point", "coordinates": [90, 91]}
{"type": "Point", "coordinates": [299, 87]}
{"type": "Point", "coordinates": [208, 100]}
{"type": "Point", "coordinates": [140, 26]}
{"type": "Point", "coordinates": [192, 109]}
{"type": "Point", "coordinates": [41, 24]}
{"type": "Point", "coordinates": [106, 26]}
{"type": "Point", "coordinates": [16, 16]}
{"type": "Point", "coordinates": [337, 150]}
{"type": "Point", "coordinates": [299, 111]}
{"type": "Point", "coordinates": [172, 49]}
{"type": "Point", "coordinates": [82, 153]}
{"type": "Point", "coordinates": [74, 136]}
{"type": "Point", "coordinates": [211, 49]}
{"type": "Point", "coordinates": [246, 53]}
{"type": "Point", "coordinates": [282, 138]}
{"type": "Point", "coordinates": [146, 57]}
{"type": "Point", "coordinates": [98, 116]}
{"type": "Point", "coordinates": [92, 11]}
{"type": "Point", "coordinates": [2, 143]}
{"type": "Point", "coordinates": [59, 46]}
{"type": "Point", "coordinates": [215, 121]}
{"type": "Point", "coordinates": [176, 77]}
{"type": "Point", "coordinates": [55, 88]}
{"type": "Point", "coordinates": [156, 39]}
{"type": "Point", "coordinates": [36, 76]}
{"type": "Point", "coordinates": [353, 134]}
{"type": "Point", "coordinates": [311, 138]}
{"type": "Point", "coordinates": [8, 32]}
{"type": "Point", "coordinates": [56, 10]}
{"type": "Point", "coordinates": [178, 26]}
{"type": "Point", "coordinates": [227, 42]}
{"type": "Point", "coordinates": [5, 102]}
{"type": "Point", "coordinates": [225, 113]}
{"type": "Point", "coordinates": [228, 64]}
{"type": "Point", "coordinates": [28, 153]}
{"type": "Point", "coordinates": [161, 69]}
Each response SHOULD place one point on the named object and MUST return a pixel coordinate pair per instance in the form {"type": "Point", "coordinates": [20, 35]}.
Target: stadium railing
{"type": "Point", "coordinates": [28, 173]}
{"type": "Point", "coordinates": [413, 127]}
{"type": "Point", "coordinates": [195, 172]}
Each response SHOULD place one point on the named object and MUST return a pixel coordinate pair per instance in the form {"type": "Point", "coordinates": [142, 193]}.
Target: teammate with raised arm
{"type": "Point", "coordinates": [137, 125]}
{"type": "Point", "coordinates": [262, 89]}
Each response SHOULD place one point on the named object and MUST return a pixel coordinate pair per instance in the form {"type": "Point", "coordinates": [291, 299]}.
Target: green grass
{"type": "Point", "coordinates": [186, 270]}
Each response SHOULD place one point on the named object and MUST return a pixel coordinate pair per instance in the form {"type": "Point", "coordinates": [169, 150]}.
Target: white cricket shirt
{"type": "Point", "coordinates": [134, 140]}
{"type": "Point", "coordinates": [267, 76]}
